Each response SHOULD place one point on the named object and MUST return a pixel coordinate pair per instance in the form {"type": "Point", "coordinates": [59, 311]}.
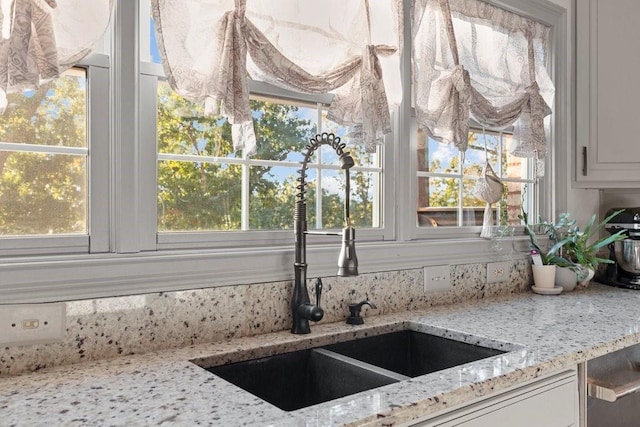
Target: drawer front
{"type": "Point", "coordinates": [552, 402]}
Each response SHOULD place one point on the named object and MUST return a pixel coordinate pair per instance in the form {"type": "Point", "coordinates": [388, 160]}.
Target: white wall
{"type": "Point", "coordinates": [619, 198]}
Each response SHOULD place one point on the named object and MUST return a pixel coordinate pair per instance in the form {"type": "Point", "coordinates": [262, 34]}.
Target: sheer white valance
{"type": "Point", "coordinates": [42, 38]}
{"type": "Point", "coordinates": [472, 59]}
{"type": "Point", "coordinates": [210, 48]}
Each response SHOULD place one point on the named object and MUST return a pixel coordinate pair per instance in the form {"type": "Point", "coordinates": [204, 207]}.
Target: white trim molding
{"type": "Point", "coordinates": [71, 277]}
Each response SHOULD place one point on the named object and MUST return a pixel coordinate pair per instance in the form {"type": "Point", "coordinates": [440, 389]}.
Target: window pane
{"type": "Point", "coordinates": [436, 157]}
{"type": "Point", "coordinates": [186, 188]}
{"type": "Point", "coordinates": [360, 156]}
{"type": "Point", "coordinates": [512, 166]}
{"type": "Point", "coordinates": [183, 128]}
{"type": "Point", "coordinates": [511, 204]}
{"type": "Point", "coordinates": [272, 197]}
{"type": "Point", "coordinates": [43, 159]}
{"type": "Point", "coordinates": [440, 178]}
{"type": "Point", "coordinates": [54, 114]}
{"type": "Point", "coordinates": [42, 194]}
{"type": "Point", "coordinates": [483, 146]}
{"type": "Point", "coordinates": [154, 53]}
{"type": "Point", "coordinates": [473, 208]}
{"type": "Point", "coordinates": [438, 202]}
{"type": "Point", "coordinates": [333, 188]}
{"type": "Point", "coordinates": [283, 129]}
{"type": "Point", "coordinates": [363, 158]}
{"type": "Point", "coordinates": [364, 203]}
{"type": "Point", "coordinates": [198, 196]}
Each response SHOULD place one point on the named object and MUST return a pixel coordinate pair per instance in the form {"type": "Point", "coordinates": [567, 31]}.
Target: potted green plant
{"type": "Point", "coordinates": [568, 273]}
{"type": "Point", "coordinates": [575, 249]}
{"type": "Point", "coordinates": [544, 271]}
{"type": "Point", "coordinates": [553, 256]}
{"type": "Point", "coordinates": [585, 245]}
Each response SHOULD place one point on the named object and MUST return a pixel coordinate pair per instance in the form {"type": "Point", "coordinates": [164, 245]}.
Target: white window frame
{"type": "Point", "coordinates": [150, 73]}
{"type": "Point", "coordinates": [97, 176]}
{"type": "Point", "coordinates": [246, 237]}
{"type": "Point", "coordinates": [124, 258]}
{"type": "Point", "coordinates": [533, 193]}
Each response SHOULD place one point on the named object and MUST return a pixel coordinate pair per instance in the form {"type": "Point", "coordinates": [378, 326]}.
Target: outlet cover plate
{"type": "Point", "coordinates": [27, 324]}
{"type": "Point", "coordinates": [497, 272]}
{"type": "Point", "coordinates": [437, 278]}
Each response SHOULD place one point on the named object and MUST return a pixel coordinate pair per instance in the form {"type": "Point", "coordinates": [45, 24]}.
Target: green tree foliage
{"type": "Point", "coordinates": [443, 192]}
{"type": "Point", "coordinates": [207, 196]}
{"type": "Point", "coordinates": [44, 193]}
{"type": "Point", "coordinates": [194, 196]}
{"type": "Point", "coordinates": [361, 206]}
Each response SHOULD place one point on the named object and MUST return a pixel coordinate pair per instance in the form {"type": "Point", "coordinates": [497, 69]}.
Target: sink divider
{"type": "Point", "coordinates": [358, 364]}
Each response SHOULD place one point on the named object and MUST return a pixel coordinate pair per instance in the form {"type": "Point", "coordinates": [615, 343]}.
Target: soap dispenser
{"type": "Point", "coordinates": [354, 312]}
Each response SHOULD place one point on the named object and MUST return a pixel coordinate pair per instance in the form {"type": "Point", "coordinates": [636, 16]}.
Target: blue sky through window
{"type": "Point", "coordinates": [153, 47]}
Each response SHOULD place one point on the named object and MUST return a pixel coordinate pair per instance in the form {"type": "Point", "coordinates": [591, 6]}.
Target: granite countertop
{"type": "Point", "coordinates": [541, 334]}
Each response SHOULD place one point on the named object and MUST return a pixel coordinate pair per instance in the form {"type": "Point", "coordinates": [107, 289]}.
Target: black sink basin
{"type": "Point", "coordinates": [303, 378]}
{"type": "Point", "coordinates": [412, 353]}
{"type": "Point", "coordinates": [295, 380]}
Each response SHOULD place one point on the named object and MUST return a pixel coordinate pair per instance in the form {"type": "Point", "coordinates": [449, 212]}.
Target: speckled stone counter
{"type": "Point", "coordinates": [541, 334]}
{"type": "Point", "coordinates": [118, 326]}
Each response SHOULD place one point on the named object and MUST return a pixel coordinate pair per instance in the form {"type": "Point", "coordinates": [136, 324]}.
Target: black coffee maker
{"type": "Point", "coordinates": [625, 254]}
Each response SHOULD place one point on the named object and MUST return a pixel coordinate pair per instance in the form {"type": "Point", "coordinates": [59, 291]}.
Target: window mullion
{"type": "Point", "coordinates": [461, 190]}
{"type": "Point", "coordinates": [246, 191]}
{"type": "Point", "coordinates": [148, 164]}
{"type": "Point", "coordinates": [319, 219]}
{"type": "Point", "coordinates": [99, 200]}
{"type": "Point", "coordinates": [499, 152]}
{"type": "Point", "coordinates": [403, 184]}
{"type": "Point", "coordinates": [377, 199]}
{"type": "Point", "coordinates": [124, 72]}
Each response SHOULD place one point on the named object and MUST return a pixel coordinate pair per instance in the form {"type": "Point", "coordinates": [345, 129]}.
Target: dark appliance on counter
{"type": "Point", "coordinates": [625, 254]}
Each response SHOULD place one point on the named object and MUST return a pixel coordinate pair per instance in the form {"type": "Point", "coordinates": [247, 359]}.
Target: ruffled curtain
{"type": "Point", "coordinates": [210, 48]}
{"type": "Point", "coordinates": [472, 59]}
{"type": "Point", "coordinates": [42, 38]}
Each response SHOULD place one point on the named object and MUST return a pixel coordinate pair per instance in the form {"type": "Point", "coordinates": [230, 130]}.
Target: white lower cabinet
{"type": "Point", "coordinates": [550, 402]}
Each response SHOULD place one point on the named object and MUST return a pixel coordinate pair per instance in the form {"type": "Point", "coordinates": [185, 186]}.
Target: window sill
{"type": "Point", "coordinates": [70, 277]}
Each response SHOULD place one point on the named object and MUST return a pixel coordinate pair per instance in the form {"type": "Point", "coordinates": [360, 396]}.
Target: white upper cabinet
{"type": "Point", "coordinates": [607, 151]}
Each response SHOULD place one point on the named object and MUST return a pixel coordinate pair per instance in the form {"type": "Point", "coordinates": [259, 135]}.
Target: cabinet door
{"type": "Point", "coordinates": [551, 402]}
{"type": "Point", "coordinates": [608, 90]}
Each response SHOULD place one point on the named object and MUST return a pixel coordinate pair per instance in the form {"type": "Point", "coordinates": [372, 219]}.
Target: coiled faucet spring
{"type": "Point", "coordinates": [346, 162]}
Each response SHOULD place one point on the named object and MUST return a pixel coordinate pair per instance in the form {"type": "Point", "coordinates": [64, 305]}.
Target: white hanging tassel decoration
{"type": "Point", "coordinates": [487, 222]}
{"type": "Point", "coordinates": [488, 189]}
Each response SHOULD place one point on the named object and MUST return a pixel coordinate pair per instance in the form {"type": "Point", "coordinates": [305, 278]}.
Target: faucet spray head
{"type": "Point", "coordinates": [346, 161]}
{"type": "Point", "coordinates": [348, 261]}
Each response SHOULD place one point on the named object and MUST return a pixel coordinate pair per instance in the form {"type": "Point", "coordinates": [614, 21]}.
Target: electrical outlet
{"type": "Point", "coordinates": [497, 272]}
{"type": "Point", "coordinates": [437, 278]}
{"type": "Point", "coordinates": [25, 324]}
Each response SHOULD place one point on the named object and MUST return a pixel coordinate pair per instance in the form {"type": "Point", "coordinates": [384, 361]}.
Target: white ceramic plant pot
{"type": "Point", "coordinates": [566, 278]}
{"type": "Point", "coordinates": [544, 276]}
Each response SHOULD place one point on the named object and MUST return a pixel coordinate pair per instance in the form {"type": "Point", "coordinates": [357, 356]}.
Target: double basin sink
{"type": "Point", "coordinates": [303, 378]}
